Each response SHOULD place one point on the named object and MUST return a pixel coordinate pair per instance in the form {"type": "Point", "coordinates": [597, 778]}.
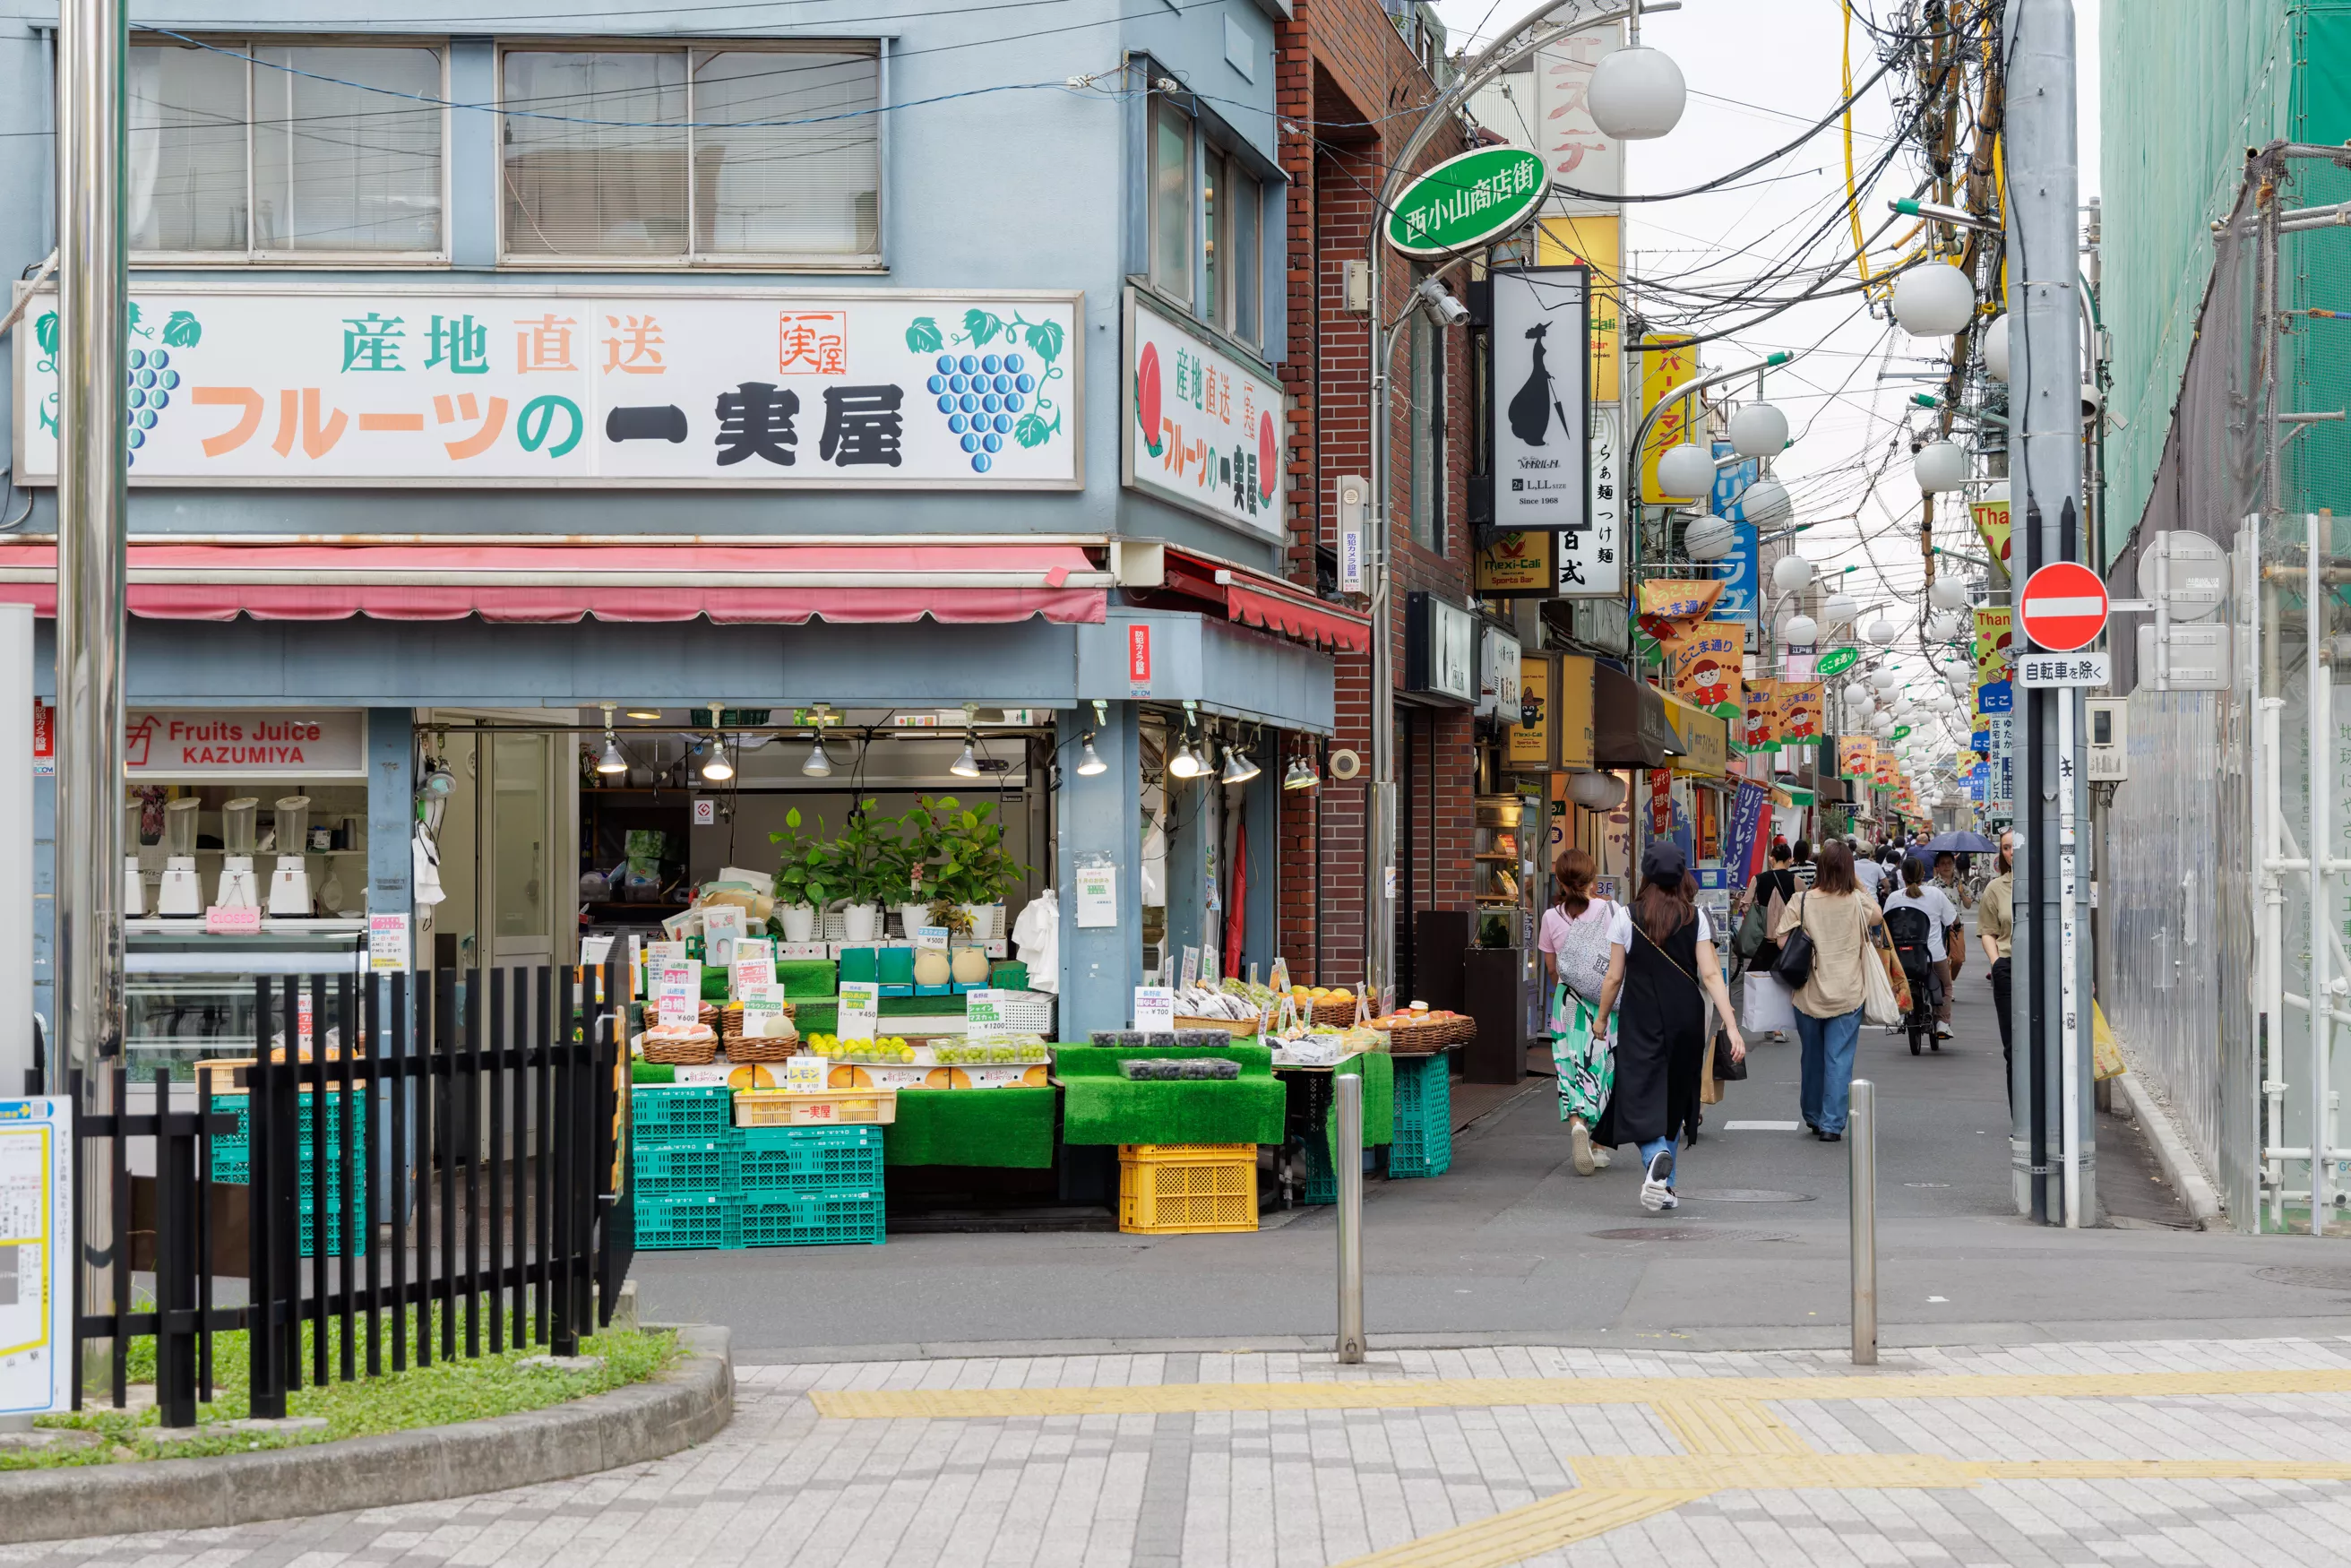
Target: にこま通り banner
{"type": "Point", "coordinates": [412, 384]}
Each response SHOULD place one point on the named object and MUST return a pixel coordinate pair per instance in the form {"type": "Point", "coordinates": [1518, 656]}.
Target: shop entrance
{"type": "Point", "coordinates": [499, 829]}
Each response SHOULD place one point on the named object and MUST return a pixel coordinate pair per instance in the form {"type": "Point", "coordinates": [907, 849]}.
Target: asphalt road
{"type": "Point", "coordinates": [1513, 1245]}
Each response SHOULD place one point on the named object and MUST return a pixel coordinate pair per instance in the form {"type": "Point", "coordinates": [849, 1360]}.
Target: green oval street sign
{"type": "Point", "coordinates": [1466, 200]}
{"type": "Point", "coordinates": [1837, 661]}
{"type": "Point", "coordinates": [1901, 732]}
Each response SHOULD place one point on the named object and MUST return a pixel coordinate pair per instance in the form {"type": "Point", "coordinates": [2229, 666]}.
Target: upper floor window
{"type": "Point", "coordinates": [1234, 209]}
{"type": "Point", "coordinates": [253, 150]}
{"type": "Point", "coordinates": [1170, 201]}
{"type": "Point", "coordinates": [769, 155]}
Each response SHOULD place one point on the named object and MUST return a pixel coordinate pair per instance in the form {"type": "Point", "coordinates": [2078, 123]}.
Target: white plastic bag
{"type": "Point", "coordinates": [1036, 936]}
{"type": "Point", "coordinates": [1879, 1005]}
{"type": "Point", "coordinates": [1768, 1006]}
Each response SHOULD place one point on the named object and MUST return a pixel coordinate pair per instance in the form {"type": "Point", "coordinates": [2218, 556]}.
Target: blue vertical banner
{"type": "Point", "coordinates": [1742, 599]}
{"type": "Point", "coordinates": [1742, 835]}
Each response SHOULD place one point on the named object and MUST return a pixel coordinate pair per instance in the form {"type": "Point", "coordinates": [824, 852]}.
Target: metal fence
{"type": "Point", "coordinates": [400, 1184]}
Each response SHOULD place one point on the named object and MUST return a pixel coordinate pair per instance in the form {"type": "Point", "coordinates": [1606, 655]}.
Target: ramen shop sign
{"type": "Point", "coordinates": [245, 742]}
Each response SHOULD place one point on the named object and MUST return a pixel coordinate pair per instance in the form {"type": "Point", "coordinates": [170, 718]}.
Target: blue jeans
{"type": "Point", "coordinates": [1828, 1092]}
{"type": "Point", "coordinates": [1651, 1150]}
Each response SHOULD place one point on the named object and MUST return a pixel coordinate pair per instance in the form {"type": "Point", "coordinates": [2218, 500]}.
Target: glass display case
{"type": "Point", "coordinates": [189, 994]}
{"type": "Point", "coordinates": [1503, 855]}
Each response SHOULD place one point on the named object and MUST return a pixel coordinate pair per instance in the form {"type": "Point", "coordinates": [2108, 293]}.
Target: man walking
{"type": "Point", "coordinates": [1995, 928]}
{"type": "Point", "coordinates": [1869, 872]}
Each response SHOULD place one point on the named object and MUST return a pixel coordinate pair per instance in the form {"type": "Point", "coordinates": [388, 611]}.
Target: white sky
{"type": "Point", "coordinates": [1757, 73]}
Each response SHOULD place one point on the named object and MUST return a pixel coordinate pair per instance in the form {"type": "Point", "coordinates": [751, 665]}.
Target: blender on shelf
{"type": "Point", "coordinates": [289, 885]}
{"type": "Point", "coordinates": [182, 891]}
{"type": "Point", "coordinates": [238, 818]}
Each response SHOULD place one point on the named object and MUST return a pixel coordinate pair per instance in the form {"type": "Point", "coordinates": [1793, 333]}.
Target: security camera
{"type": "Point", "coordinates": [2092, 400]}
{"type": "Point", "coordinates": [1447, 310]}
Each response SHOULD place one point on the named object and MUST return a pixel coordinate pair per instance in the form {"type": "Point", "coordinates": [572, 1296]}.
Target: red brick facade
{"type": "Point", "coordinates": [1345, 86]}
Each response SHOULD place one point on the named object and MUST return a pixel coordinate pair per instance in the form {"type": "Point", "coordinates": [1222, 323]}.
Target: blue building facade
{"type": "Point", "coordinates": [723, 364]}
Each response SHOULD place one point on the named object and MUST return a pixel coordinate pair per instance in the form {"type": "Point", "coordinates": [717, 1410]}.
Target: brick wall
{"type": "Point", "coordinates": [1346, 81]}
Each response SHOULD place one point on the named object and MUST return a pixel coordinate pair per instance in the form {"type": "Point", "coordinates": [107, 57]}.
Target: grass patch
{"type": "Point", "coordinates": [435, 1396]}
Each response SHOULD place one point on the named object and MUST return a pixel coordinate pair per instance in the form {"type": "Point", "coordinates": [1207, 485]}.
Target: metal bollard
{"type": "Point", "coordinates": [1347, 1154]}
{"type": "Point", "coordinates": [1861, 1140]}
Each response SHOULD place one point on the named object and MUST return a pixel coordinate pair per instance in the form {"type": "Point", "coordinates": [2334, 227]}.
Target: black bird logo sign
{"type": "Point", "coordinates": [1533, 403]}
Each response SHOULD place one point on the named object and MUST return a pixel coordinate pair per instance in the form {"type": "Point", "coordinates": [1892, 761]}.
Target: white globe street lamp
{"type": "Point", "coordinates": [1886, 681]}
{"type": "Point", "coordinates": [1995, 349]}
{"type": "Point", "coordinates": [1934, 300]}
{"type": "Point", "coordinates": [1799, 632]}
{"type": "Point", "coordinates": [1790, 574]}
{"type": "Point", "coordinates": [1939, 466]}
{"type": "Point", "coordinates": [1597, 791]}
{"type": "Point", "coordinates": [1882, 630]}
{"type": "Point", "coordinates": [1757, 429]}
{"type": "Point", "coordinates": [1710, 538]}
{"type": "Point", "coordinates": [1636, 94]}
{"type": "Point", "coordinates": [1840, 608]}
{"type": "Point", "coordinates": [1686, 470]}
{"type": "Point", "coordinates": [1766, 504]}
{"type": "Point", "coordinates": [1947, 593]}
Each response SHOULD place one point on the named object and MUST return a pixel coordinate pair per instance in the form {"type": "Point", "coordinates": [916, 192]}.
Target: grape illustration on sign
{"type": "Point", "coordinates": [990, 396]}
{"type": "Point", "coordinates": [1468, 200]}
{"type": "Point", "coordinates": [150, 382]}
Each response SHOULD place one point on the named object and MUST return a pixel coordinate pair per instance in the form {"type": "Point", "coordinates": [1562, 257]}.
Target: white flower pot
{"type": "Point", "coordinates": [914, 917]}
{"type": "Point", "coordinates": [983, 918]}
{"type": "Point", "coordinates": [860, 922]}
{"type": "Point", "coordinates": [800, 922]}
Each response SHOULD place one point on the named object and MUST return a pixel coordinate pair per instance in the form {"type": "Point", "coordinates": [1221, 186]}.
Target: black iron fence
{"type": "Point", "coordinates": [403, 1171]}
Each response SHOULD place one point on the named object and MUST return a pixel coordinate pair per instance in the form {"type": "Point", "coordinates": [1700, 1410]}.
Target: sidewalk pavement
{"type": "Point", "coordinates": [2196, 1451]}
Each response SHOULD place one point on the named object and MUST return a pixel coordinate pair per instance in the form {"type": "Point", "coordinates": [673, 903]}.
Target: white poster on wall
{"type": "Point", "coordinates": [415, 384]}
{"type": "Point", "coordinates": [1542, 400]}
{"type": "Point", "coordinates": [36, 1261]}
{"type": "Point", "coordinates": [1204, 426]}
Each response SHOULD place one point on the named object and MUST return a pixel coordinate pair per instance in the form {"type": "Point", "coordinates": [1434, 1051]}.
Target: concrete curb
{"type": "Point", "coordinates": [629, 1425]}
{"type": "Point", "coordinates": [2179, 1167]}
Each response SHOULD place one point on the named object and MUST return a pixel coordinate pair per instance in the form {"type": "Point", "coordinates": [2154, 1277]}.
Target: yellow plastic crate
{"type": "Point", "coordinates": [1165, 1194]}
{"type": "Point", "coordinates": [830, 1108]}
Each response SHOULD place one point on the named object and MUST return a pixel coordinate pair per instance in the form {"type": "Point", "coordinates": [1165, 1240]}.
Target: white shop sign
{"type": "Point", "coordinates": [415, 384]}
{"type": "Point", "coordinates": [1202, 427]}
{"type": "Point", "coordinates": [245, 742]}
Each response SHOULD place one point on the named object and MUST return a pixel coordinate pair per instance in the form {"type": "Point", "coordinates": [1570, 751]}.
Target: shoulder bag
{"type": "Point", "coordinates": [1795, 966]}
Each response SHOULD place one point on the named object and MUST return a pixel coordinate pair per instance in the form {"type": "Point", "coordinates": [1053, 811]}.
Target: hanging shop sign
{"type": "Point", "coordinates": [1572, 687]}
{"type": "Point", "coordinates": [1667, 363]}
{"type": "Point", "coordinates": [245, 742]}
{"type": "Point", "coordinates": [1518, 565]}
{"type": "Point", "coordinates": [1204, 426]}
{"type": "Point", "coordinates": [1574, 149]}
{"type": "Point", "coordinates": [1704, 659]}
{"type": "Point", "coordinates": [1540, 392]}
{"type": "Point", "coordinates": [1528, 746]}
{"type": "Point", "coordinates": [411, 384]}
{"type": "Point", "coordinates": [1836, 661]}
{"type": "Point", "coordinates": [1592, 560]}
{"type": "Point", "coordinates": [1468, 200]}
{"type": "Point", "coordinates": [1741, 596]}
{"type": "Point", "coordinates": [1760, 723]}
{"type": "Point", "coordinates": [1705, 740]}
{"type": "Point", "coordinates": [1440, 648]}
{"type": "Point", "coordinates": [1500, 661]}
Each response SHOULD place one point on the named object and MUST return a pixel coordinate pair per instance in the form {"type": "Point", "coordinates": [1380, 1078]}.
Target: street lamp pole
{"type": "Point", "coordinates": [1546, 22]}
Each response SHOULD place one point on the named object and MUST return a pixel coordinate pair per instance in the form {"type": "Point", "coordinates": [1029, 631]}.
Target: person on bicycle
{"type": "Point", "coordinates": [1916, 916]}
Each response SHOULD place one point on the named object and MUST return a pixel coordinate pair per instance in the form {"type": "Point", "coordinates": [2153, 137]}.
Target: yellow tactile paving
{"type": "Point", "coordinates": [1527, 1532]}
{"type": "Point", "coordinates": [1728, 1427]}
{"type": "Point", "coordinates": [974, 1403]}
{"type": "Point", "coordinates": [2157, 1469]}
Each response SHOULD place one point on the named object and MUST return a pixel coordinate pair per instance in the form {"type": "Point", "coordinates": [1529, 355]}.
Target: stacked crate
{"type": "Point", "coordinates": [1183, 1188]}
{"type": "Point", "coordinates": [232, 1161]}
{"type": "Point", "coordinates": [1424, 1118]}
{"type": "Point", "coordinates": [697, 1181]}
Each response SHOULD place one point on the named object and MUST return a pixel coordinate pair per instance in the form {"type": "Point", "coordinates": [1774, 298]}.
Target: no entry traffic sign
{"type": "Point", "coordinates": [2063, 607]}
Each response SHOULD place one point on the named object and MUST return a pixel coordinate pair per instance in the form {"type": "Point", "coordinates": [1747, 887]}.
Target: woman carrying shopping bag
{"type": "Point", "coordinates": [1574, 944]}
{"type": "Point", "coordinates": [1768, 1011]}
{"type": "Point", "coordinates": [1661, 961]}
{"type": "Point", "coordinates": [1835, 918]}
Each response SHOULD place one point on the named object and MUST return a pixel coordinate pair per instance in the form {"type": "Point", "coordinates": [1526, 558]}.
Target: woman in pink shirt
{"type": "Point", "coordinates": [1574, 945]}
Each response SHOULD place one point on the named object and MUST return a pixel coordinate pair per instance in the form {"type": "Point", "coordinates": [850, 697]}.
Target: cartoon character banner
{"type": "Point", "coordinates": [1705, 660]}
{"type": "Point", "coordinates": [1668, 602]}
{"type": "Point", "coordinates": [1995, 656]}
{"type": "Point", "coordinates": [1761, 730]}
{"type": "Point", "coordinates": [1802, 705]}
{"type": "Point", "coordinates": [1856, 756]}
{"type": "Point", "coordinates": [418, 385]}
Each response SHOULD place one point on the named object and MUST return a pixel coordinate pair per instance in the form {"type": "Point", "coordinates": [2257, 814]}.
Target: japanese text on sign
{"type": "Point", "coordinates": [1203, 428]}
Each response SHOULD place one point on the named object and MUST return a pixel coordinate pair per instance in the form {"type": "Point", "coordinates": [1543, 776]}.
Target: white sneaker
{"type": "Point", "coordinates": [1942, 1031]}
{"type": "Point", "coordinates": [1669, 1200]}
{"type": "Point", "coordinates": [1600, 1158]}
{"type": "Point", "coordinates": [1654, 1193]}
{"type": "Point", "coordinates": [1579, 1139]}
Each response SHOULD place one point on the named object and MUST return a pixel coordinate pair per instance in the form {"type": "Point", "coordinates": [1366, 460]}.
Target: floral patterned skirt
{"type": "Point", "coordinates": [1586, 1071]}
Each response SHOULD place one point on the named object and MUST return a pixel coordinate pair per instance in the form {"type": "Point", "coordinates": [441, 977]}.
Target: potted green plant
{"type": "Point", "coordinates": [975, 871]}
{"type": "Point", "coordinates": [804, 876]}
{"type": "Point", "coordinates": [868, 867]}
{"type": "Point", "coordinates": [920, 845]}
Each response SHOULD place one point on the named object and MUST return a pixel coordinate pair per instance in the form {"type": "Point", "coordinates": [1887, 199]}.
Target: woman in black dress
{"type": "Point", "coordinates": [1662, 971]}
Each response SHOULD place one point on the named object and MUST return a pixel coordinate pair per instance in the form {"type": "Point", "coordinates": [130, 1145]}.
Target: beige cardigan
{"type": "Point", "coordinates": [1840, 946]}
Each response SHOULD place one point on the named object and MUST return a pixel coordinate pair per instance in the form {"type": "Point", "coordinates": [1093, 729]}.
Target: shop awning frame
{"type": "Point", "coordinates": [1268, 603]}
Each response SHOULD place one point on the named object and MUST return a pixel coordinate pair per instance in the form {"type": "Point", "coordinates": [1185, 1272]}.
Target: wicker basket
{"type": "Point", "coordinates": [747, 1050]}
{"type": "Point", "coordinates": [1239, 1028]}
{"type": "Point", "coordinates": [682, 1053]}
{"type": "Point", "coordinates": [1337, 1011]}
{"type": "Point", "coordinates": [730, 1024]}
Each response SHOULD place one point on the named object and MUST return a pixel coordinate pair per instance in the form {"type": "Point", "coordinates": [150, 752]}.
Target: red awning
{"type": "Point", "coordinates": [1254, 598]}
{"type": "Point", "coordinates": [779, 584]}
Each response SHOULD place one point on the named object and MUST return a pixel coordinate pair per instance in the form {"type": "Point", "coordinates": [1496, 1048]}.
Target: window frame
{"type": "Point", "coordinates": [691, 260]}
{"type": "Point", "coordinates": [249, 44]}
{"type": "Point", "coordinates": [1162, 104]}
{"type": "Point", "coordinates": [1224, 169]}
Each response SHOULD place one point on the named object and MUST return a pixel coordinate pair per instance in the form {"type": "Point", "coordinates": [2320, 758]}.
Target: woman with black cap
{"type": "Point", "coordinates": [1661, 974]}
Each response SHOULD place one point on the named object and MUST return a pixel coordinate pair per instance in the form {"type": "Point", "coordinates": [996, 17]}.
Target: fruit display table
{"type": "Point", "coordinates": [1311, 1099]}
{"type": "Point", "coordinates": [1099, 1106]}
{"type": "Point", "coordinates": [1005, 1128]}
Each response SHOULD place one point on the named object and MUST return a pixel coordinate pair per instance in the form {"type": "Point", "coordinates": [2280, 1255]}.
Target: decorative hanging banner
{"type": "Point", "coordinates": [1856, 756]}
{"type": "Point", "coordinates": [1668, 601]}
{"type": "Point", "coordinates": [1661, 803]}
{"type": "Point", "coordinates": [1995, 657]}
{"type": "Point", "coordinates": [1762, 719]}
{"type": "Point", "coordinates": [1705, 660]}
{"type": "Point", "coordinates": [1992, 524]}
{"type": "Point", "coordinates": [1889, 767]}
{"type": "Point", "coordinates": [1802, 705]}
{"type": "Point", "coordinates": [1743, 838]}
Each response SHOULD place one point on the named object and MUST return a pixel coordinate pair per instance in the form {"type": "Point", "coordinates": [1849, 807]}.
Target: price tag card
{"type": "Point", "coordinates": [1210, 970]}
{"type": "Point", "coordinates": [1281, 980]}
{"type": "Point", "coordinates": [1155, 1007]}
{"type": "Point", "coordinates": [722, 924]}
{"type": "Point", "coordinates": [388, 944]}
{"type": "Point", "coordinates": [860, 1009]}
{"type": "Point", "coordinates": [1191, 967]}
{"type": "Point", "coordinates": [931, 936]}
{"type": "Point", "coordinates": [762, 1010]}
{"type": "Point", "coordinates": [983, 1014]}
{"type": "Point", "coordinates": [677, 992]}
{"type": "Point", "coordinates": [595, 951]}
{"type": "Point", "coordinates": [669, 952]}
{"type": "Point", "coordinates": [804, 1072]}
{"type": "Point", "coordinates": [753, 963]}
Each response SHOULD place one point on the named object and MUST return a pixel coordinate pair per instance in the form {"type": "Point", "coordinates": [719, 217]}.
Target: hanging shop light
{"type": "Point", "coordinates": [644, 715]}
{"type": "Point", "coordinates": [965, 765]}
{"type": "Point", "coordinates": [819, 764]}
{"type": "Point", "coordinates": [1710, 538]}
{"type": "Point", "coordinates": [611, 761]}
{"type": "Point", "coordinates": [1939, 466]}
{"type": "Point", "coordinates": [1597, 791]}
{"type": "Point", "coordinates": [1686, 470]}
{"type": "Point", "coordinates": [1757, 429]}
{"type": "Point", "coordinates": [1934, 300]}
{"type": "Point", "coordinates": [1089, 762]}
{"type": "Point", "coordinates": [1301, 775]}
{"type": "Point", "coordinates": [715, 767]}
{"type": "Point", "coordinates": [1238, 768]}
{"type": "Point", "coordinates": [1995, 349]}
{"type": "Point", "coordinates": [1636, 94]}
{"type": "Point", "coordinates": [1185, 764]}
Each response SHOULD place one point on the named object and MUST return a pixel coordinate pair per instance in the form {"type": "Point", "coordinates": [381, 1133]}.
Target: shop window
{"type": "Point", "coordinates": [1170, 201]}
{"type": "Point", "coordinates": [692, 156]}
{"type": "Point", "coordinates": [251, 151]}
{"type": "Point", "coordinates": [1232, 209]}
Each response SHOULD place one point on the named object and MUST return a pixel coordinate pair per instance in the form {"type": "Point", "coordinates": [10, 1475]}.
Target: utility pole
{"type": "Point", "coordinates": [92, 313]}
{"type": "Point", "coordinates": [2054, 1150]}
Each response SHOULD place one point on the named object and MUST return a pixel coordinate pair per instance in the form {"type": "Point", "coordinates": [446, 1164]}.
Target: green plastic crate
{"type": "Point", "coordinates": [335, 1229]}
{"type": "Point", "coordinates": [699, 1222]}
{"type": "Point", "coordinates": [1424, 1119]}
{"type": "Point", "coordinates": [811, 1219]}
{"type": "Point", "coordinates": [671, 1115]}
{"type": "Point", "coordinates": [685, 1168]}
{"type": "Point", "coordinates": [778, 1160]}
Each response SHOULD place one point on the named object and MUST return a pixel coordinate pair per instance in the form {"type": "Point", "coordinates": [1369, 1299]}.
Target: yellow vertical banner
{"type": "Point", "coordinates": [1705, 659]}
{"type": "Point", "coordinates": [1802, 708]}
{"type": "Point", "coordinates": [1666, 362]}
{"type": "Point", "coordinates": [1856, 756]}
{"type": "Point", "coordinates": [1995, 643]}
{"type": "Point", "coordinates": [1596, 240]}
{"type": "Point", "coordinates": [1762, 703]}
{"type": "Point", "coordinates": [1991, 526]}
